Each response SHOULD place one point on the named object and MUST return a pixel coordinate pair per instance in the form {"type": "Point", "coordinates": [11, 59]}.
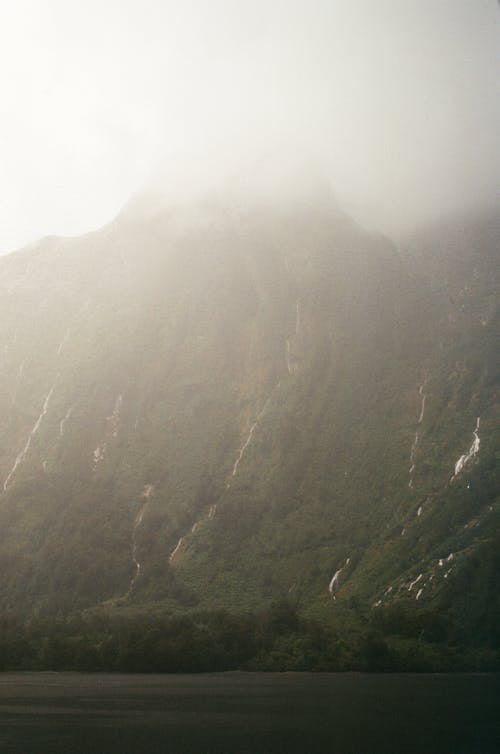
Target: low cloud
{"type": "Point", "coordinates": [395, 102]}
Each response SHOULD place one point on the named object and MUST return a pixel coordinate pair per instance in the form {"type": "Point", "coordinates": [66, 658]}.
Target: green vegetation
{"type": "Point", "coordinates": [246, 393]}
{"type": "Point", "coordinates": [277, 639]}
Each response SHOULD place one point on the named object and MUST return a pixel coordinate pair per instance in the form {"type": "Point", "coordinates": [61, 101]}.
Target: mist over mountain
{"type": "Point", "coordinates": [396, 102]}
{"type": "Point", "coordinates": [231, 403]}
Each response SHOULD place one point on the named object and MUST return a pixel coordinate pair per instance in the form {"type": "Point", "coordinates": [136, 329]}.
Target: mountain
{"type": "Point", "coordinates": [233, 404]}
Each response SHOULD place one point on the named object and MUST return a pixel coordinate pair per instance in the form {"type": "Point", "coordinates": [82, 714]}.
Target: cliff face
{"type": "Point", "coordinates": [225, 405]}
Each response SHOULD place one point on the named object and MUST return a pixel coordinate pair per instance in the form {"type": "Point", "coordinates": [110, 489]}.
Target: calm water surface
{"type": "Point", "coordinates": [238, 713]}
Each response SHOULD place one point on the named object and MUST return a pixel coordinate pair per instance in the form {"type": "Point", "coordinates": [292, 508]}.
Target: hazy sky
{"type": "Point", "coordinates": [397, 99]}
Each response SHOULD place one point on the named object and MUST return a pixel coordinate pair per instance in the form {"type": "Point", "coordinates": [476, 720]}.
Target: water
{"type": "Point", "coordinates": [238, 713]}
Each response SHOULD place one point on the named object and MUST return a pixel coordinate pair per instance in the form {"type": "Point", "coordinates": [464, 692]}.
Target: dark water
{"type": "Point", "coordinates": [237, 713]}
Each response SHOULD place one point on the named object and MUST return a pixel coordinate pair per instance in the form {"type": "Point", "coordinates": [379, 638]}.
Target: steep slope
{"type": "Point", "coordinates": [223, 405]}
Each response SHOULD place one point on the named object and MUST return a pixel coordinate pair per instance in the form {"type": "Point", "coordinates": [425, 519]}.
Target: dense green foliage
{"type": "Point", "coordinates": [277, 639]}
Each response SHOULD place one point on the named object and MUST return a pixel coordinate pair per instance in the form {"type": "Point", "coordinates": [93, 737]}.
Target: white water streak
{"type": "Point", "coordinates": [248, 441]}
{"type": "Point", "coordinates": [412, 583]}
{"type": "Point", "coordinates": [336, 576]}
{"type": "Point", "coordinates": [243, 448]}
{"type": "Point", "coordinates": [64, 420]}
{"type": "Point", "coordinates": [146, 494]}
{"type": "Point", "coordinates": [23, 453]}
{"type": "Point", "coordinates": [115, 417]}
{"type": "Point", "coordinates": [205, 517]}
{"type": "Point", "coordinates": [422, 411]}
{"type": "Point", "coordinates": [99, 454]}
{"type": "Point", "coordinates": [176, 549]}
{"type": "Point", "coordinates": [63, 342]}
{"type": "Point", "coordinates": [111, 431]}
{"type": "Point", "coordinates": [417, 436]}
{"type": "Point", "coordinates": [473, 450]}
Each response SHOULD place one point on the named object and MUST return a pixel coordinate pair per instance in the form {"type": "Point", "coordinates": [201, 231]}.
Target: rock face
{"type": "Point", "coordinates": [222, 405]}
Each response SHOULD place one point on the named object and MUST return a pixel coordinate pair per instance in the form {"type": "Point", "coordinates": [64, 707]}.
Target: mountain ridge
{"type": "Point", "coordinates": [258, 405]}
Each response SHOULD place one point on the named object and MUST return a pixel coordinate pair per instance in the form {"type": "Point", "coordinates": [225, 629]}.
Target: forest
{"type": "Point", "coordinates": [276, 639]}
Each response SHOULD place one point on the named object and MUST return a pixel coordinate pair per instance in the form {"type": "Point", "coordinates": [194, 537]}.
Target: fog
{"type": "Point", "coordinates": [394, 102]}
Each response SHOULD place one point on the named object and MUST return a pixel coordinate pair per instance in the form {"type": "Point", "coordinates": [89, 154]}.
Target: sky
{"type": "Point", "coordinates": [396, 101]}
